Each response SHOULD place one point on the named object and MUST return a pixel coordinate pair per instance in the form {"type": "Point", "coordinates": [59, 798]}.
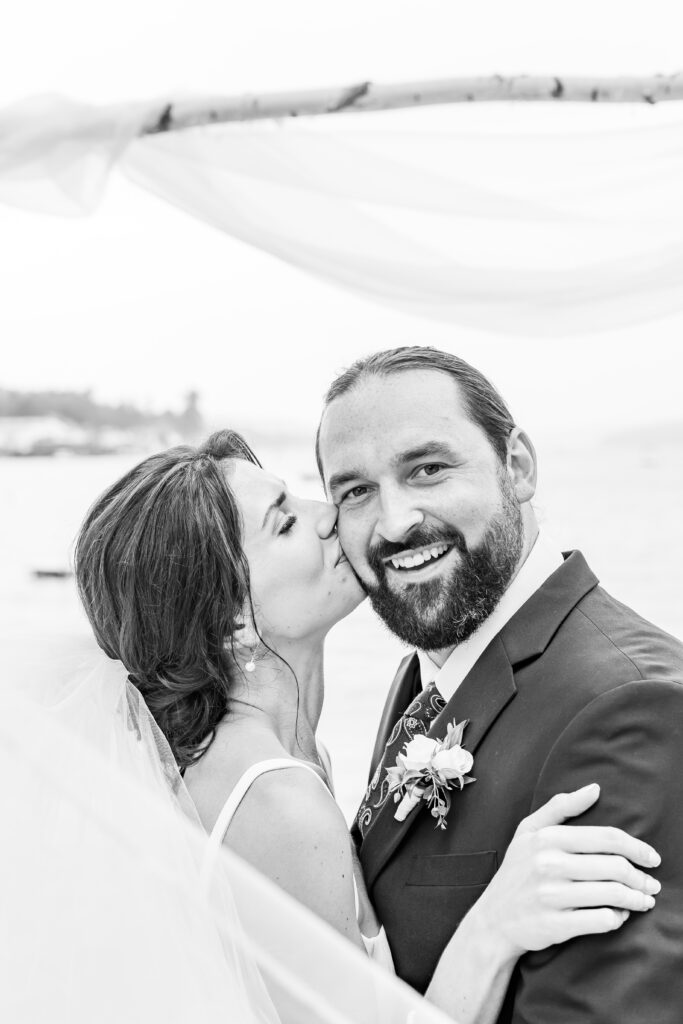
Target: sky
{"type": "Point", "coordinates": [141, 302]}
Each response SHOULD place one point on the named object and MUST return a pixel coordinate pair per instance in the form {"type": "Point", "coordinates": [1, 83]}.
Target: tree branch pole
{"type": "Point", "coordinates": [367, 96]}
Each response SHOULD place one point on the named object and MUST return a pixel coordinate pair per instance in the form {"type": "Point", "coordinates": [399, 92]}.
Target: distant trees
{"type": "Point", "coordinates": [81, 408]}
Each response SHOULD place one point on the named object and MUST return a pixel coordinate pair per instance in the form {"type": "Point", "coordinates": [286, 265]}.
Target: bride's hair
{"type": "Point", "coordinates": [162, 574]}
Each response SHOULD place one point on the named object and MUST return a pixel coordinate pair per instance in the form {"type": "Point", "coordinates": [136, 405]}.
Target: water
{"type": "Point", "coordinates": [618, 501]}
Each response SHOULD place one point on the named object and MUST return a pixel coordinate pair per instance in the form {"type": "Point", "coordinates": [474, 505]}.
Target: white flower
{"type": "Point", "coordinates": [453, 762]}
{"type": "Point", "coordinates": [425, 771]}
{"type": "Point", "coordinates": [419, 753]}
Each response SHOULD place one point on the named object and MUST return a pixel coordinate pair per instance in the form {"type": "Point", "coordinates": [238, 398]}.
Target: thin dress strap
{"type": "Point", "coordinates": [235, 799]}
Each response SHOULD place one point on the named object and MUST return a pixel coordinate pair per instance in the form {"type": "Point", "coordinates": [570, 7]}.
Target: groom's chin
{"type": "Point", "coordinates": [404, 618]}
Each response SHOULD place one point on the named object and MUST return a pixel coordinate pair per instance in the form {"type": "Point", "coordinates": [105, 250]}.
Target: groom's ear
{"type": "Point", "coordinates": [521, 465]}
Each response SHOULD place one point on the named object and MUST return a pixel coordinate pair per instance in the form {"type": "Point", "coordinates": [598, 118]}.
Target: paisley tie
{"type": "Point", "coordinates": [413, 722]}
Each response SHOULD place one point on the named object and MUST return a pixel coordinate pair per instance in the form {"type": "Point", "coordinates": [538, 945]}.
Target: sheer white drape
{"type": "Point", "coordinates": [549, 233]}
{"type": "Point", "coordinates": [105, 914]}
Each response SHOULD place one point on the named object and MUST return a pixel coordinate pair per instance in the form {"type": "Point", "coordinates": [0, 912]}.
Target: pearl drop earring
{"type": "Point", "coordinates": [251, 664]}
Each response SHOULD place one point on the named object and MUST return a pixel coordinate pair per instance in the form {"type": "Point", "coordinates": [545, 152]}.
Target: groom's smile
{"type": "Point", "coordinates": [427, 553]}
{"type": "Point", "coordinates": [410, 561]}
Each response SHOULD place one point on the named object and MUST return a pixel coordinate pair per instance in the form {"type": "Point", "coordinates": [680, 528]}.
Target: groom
{"type": "Point", "coordinates": [561, 684]}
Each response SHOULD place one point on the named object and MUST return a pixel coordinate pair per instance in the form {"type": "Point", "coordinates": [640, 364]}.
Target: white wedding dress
{"type": "Point", "coordinates": [376, 946]}
{"type": "Point", "coordinates": [114, 908]}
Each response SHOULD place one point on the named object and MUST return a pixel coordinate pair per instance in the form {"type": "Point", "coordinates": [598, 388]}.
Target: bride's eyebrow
{"type": "Point", "coordinates": [273, 507]}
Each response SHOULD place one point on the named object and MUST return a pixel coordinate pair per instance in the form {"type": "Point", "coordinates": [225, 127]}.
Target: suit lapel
{"type": "Point", "coordinates": [481, 697]}
{"type": "Point", "coordinates": [484, 693]}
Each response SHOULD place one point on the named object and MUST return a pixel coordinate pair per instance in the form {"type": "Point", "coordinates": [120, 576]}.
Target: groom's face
{"type": "Point", "coordinates": [428, 516]}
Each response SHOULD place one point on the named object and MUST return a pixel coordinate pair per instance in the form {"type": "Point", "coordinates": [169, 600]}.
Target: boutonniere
{"type": "Point", "coordinates": [429, 770]}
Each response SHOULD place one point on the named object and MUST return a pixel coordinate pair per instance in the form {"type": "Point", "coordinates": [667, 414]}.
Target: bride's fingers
{"type": "Point", "coordinates": [559, 808]}
{"type": "Point", "coordinates": [598, 839]}
{"type": "Point", "coordinates": [603, 868]}
{"type": "Point", "coordinates": [591, 922]}
{"type": "Point", "coordinates": [579, 895]}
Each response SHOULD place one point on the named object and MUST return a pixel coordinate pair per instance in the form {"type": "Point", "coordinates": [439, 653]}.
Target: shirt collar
{"type": "Point", "coordinates": [541, 562]}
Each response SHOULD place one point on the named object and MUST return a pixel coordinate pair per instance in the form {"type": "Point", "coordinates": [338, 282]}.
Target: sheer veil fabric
{"type": "Point", "coordinates": [534, 232]}
{"type": "Point", "coordinates": [105, 914]}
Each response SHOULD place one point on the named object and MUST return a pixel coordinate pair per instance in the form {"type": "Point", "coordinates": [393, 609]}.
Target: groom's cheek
{"type": "Point", "coordinates": [352, 542]}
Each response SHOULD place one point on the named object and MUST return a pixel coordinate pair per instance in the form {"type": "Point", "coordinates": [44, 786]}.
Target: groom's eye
{"type": "Point", "coordinates": [355, 492]}
{"type": "Point", "coordinates": [430, 469]}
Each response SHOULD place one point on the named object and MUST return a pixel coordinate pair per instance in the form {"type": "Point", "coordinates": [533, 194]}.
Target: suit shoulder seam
{"type": "Point", "coordinates": [611, 641]}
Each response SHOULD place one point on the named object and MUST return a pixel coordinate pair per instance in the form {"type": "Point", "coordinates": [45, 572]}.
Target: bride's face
{"type": "Point", "coordinates": [301, 584]}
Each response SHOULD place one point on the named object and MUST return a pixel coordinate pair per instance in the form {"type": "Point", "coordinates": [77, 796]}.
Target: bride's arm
{"type": "Point", "coordinates": [540, 897]}
{"type": "Point", "coordinates": [291, 830]}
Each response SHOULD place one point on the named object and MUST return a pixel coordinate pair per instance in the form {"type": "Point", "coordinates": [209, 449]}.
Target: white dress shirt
{"type": "Point", "coordinates": [541, 562]}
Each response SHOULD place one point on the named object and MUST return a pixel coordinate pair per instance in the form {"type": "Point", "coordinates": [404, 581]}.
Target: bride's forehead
{"type": "Point", "coordinates": [254, 488]}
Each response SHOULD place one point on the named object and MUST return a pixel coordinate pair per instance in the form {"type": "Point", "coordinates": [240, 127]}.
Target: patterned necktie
{"type": "Point", "coordinates": [413, 722]}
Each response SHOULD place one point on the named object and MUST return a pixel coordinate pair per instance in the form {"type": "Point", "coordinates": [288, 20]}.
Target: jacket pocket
{"type": "Point", "coordinates": [456, 869]}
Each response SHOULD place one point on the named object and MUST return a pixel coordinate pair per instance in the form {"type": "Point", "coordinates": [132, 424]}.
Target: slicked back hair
{"type": "Point", "coordinates": [483, 402]}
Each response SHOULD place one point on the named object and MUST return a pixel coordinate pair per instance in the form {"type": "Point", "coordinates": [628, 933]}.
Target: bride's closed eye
{"type": "Point", "coordinates": [287, 525]}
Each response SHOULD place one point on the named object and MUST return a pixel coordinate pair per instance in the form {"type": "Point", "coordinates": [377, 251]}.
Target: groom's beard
{"type": "Point", "coordinates": [444, 611]}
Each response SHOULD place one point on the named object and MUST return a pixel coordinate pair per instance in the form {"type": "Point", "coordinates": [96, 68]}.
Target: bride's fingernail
{"type": "Point", "coordinates": [654, 858]}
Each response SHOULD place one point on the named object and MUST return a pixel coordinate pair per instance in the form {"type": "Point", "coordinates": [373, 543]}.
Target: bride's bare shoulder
{"type": "Point", "coordinates": [284, 797]}
{"type": "Point", "coordinates": [291, 800]}
{"type": "Point", "coordinates": [212, 778]}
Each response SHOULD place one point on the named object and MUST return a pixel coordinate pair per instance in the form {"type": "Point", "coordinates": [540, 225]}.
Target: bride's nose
{"type": "Point", "coordinates": [326, 521]}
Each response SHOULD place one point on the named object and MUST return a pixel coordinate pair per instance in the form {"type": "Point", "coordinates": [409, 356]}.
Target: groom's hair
{"type": "Point", "coordinates": [483, 401]}
{"type": "Point", "coordinates": [162, 575]}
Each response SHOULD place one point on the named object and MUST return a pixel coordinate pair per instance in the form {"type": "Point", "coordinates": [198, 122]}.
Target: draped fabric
{"type": "Point", "coordinates": [546, 233]}
{"type": "Point", "coordinates": [55, 154]}
{"type": "Point", "coordinates": [106, 915]}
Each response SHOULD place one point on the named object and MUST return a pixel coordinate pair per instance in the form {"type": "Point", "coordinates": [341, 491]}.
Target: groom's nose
{"type": "Point", "coordinates": [398, 515]}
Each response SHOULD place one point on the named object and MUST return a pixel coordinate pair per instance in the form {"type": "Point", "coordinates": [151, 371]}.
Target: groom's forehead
{"type": "Point", "coordinates": [380, 400]}
{"type": "Point", "coordinates": [375, 422]}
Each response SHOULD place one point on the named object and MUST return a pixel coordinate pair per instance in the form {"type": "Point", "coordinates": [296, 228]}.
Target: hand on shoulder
{"type": "Point", "coordinates": [557, 881]}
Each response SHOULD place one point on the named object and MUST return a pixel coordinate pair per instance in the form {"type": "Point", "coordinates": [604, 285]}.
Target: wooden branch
{"type": "Point", "coordinates": [367, 96]}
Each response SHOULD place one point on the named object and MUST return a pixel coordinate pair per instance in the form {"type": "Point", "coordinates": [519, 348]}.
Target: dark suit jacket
{"type": "Point", "coordinates": [575, 689]}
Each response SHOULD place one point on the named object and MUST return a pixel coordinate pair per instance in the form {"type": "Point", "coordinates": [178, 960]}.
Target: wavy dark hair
{"type": "Point", "coordinates": [163, 578]}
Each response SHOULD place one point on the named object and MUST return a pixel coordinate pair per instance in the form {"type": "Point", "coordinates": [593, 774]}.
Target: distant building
{"type": "Point", "coordinates": [39, 435]}
{"type": "Point", "coordinates": [190, 421]}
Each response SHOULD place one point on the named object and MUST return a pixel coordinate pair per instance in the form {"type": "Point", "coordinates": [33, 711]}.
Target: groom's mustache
{"type": "Point", "coordinates": [418, 537]}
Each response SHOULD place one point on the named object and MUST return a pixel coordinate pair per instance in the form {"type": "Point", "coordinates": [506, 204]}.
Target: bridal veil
{"type": "Point", "coordinates": [106, 915]}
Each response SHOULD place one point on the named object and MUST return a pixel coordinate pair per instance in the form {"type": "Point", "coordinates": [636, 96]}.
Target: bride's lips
{"type": "Point", "coordinates": [341, 558]}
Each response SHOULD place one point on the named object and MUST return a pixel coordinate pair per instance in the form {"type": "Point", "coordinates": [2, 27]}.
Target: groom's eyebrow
{"type": "Point", "coordinates": [273, 507]}
{"type": "Point", "coordinates": [339, 479]}
{"type": "Point", "coordinates": [429, 450]}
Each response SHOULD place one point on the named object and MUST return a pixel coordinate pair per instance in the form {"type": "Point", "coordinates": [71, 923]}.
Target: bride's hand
{"type": "Point", "coordinates": [559, 881]}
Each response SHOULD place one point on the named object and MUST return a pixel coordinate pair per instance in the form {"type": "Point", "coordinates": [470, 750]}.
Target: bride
{"type": "Point", "coordinates": [215, 588]}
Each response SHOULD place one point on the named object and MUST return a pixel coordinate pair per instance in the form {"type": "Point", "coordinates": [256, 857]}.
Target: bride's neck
{"type": "Point", "coordinates": [284, 694]}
